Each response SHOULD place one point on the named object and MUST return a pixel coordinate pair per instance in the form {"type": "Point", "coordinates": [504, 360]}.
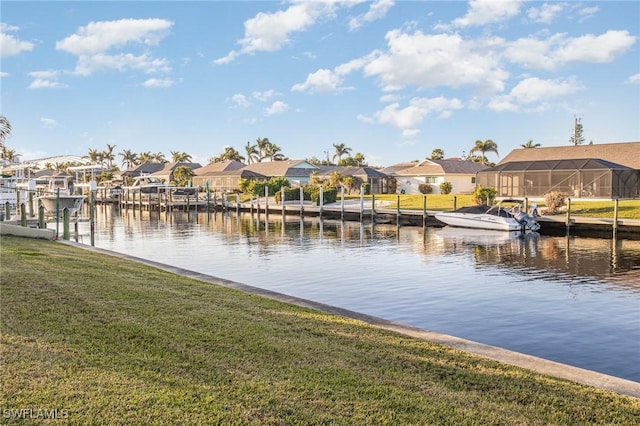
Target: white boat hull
{"type": "Point", "coordinates": [479, 221]}
{"type": "Point", "coordinates": [71, 202]}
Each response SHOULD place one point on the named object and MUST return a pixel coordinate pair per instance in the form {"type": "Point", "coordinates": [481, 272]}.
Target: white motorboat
{"type": "Point", "coordinates": [54, 201]}
{"type": "Point", "coordinates": [146, 184]}
{"type": "Point", "coordinates": [507, 215]}
{"type": "Point", "coordinates": [59, 196]}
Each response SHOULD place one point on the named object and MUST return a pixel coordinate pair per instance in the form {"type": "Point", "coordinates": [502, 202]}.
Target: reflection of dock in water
{"type": "Point", "coordinates": [616, 260]}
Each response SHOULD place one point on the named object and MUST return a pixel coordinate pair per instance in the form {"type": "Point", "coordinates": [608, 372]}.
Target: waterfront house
{"type": "Point", "coordinates": [166, 173]}
{"type": "Point", "coordinates": [296, 171]}
{"type": "Point", "coordinates": [223, 176]}
{"type": "Point", "coordinates": [377, 180]}
{"type": "Point", "coordinates": [460, 173]}
{"type": "Point", "coordinates": [142, 170]}
{"type": "Point", "coordinates": [610, 170]}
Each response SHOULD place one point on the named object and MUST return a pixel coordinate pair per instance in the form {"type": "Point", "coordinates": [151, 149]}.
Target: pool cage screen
{"type": "Point", "coordinates": [586, 178]}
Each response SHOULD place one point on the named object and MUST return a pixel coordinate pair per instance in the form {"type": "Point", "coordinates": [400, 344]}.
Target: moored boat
{"type": "Point", "coordinates": [507, 215]}
{"type": "Point", "coordinates": [59, 196]}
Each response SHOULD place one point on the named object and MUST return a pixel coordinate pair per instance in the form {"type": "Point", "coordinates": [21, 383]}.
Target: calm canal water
{"type": "Point", "coordinates": [568, 299]}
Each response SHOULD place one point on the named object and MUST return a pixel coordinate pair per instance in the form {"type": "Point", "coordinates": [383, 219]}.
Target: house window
{"type": "Point", "coordinates": [431, 179]}
{"type": "Point", "coordinates": [473, 180]}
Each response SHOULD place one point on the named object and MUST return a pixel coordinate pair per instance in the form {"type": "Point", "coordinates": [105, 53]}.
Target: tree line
{"type": "Point", "coordinates": [263, 150]}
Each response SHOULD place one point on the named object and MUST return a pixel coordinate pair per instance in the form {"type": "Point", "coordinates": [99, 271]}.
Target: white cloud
{"type": "Point", "coordinates": [546, 13]}
{"type": "Point", "coordinates": [558, 49]}
{"type": "Point", "coordinates": [365, 119]}
{"type": "Point", "coordinates": [87, 65]}
{"type": "Point", "coordinates": [48, 123]}
{"type": "Point", "coordinates": [427, 61]}
{"type": "Point", "coordinates": [587, 12]}
{"type": "Point", "coordinates": [389, 98]}
{"type": "Point", "coordinates": [265, 95]}
{"type": "Point", "coordinates": [409, 118]}
{"type": "Point", "coordinates": [634, 79]}
{"type": "Point", "coordinates": [46, 84]}
{"type": "Point", "coordinates": [277, 107]}
{"type": "Point", "coordinates": [269, 32]}
{"type": "Point", "coordinates": [321, 81]}
{"type": "Point", "coordinates": [153, 83]}
{"type": "Point", "coordinates": [534, 90]}
{"type": "Point", "coordinates": [98, 37]}
{"type": "Point", "coordinates": [591, 48]}
{"type": "Point", "coordinates": [46, 80]}
{"type": "Point", "coordinates": [240, 100]}
{"type": "Point", "coordinates": [482, 12]}
{"type": "Point", "coordinates": [11, 46]}
{"type": "Point", "coordinates": [4, 74]}
{"type": "Point", "coordinates": [94, 43]}
{"type": "Point", "coordinates": [377, 10]}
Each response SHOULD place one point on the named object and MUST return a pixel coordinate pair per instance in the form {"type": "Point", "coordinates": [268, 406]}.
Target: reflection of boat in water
{"type": "Point", "coordinates": [507, 215]}
{"type": "Point", "coordinates": [476, 236]}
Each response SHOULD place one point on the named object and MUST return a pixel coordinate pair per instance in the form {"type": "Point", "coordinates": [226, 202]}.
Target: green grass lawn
{"type": "Point", "coordinates": [113, 342]}
{"type": "Point", "coordinates": [627, 209]}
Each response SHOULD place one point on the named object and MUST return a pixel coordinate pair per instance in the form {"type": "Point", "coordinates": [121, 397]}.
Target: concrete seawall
{"type": "Point", "coordinates": [24, 231]}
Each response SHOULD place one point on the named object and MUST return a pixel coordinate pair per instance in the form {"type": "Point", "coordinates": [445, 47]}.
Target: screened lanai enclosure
{"type": "Point", "coordinates": [585, 178]}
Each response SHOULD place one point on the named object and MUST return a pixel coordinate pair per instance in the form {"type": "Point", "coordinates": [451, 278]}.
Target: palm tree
{"type": "Point", "coordinates": [230, 153]}
{"type": "Point", "coordinates": [146, 157]}
{"type": "Point", "coordinates": [341, 149]}
{"type": "Point", "coordinates": [109, 155]}
{"type": "Point", "coordinates": [483, 147]}
{"type": "Point", "coordinates": [182, 175]}
{"type": "Point", "coordinates": [180, 157]}
{"type": "Point", "coordinates": [159, 158]}
{"type": "Point", "coordinates": [94, 155]}
{"type": "Point", "coordinates": [273, 153]}
{"type": "Point", "coordinates": [8, 154]}
{"type": "Point", "coordinates": [262, 144]}
{"type": "Point", "coordinates": [530, 144]}
{"type": "Point", "coordinates": [437, 154]}
{"type": "Point", "coordinates": [5, 130]}
{"type": "Point", "coordinates": [252, 152]}
{"type": "Point", "coordinates": [129, 158]}
{"type": "Point", "coordinates": [360, 160]}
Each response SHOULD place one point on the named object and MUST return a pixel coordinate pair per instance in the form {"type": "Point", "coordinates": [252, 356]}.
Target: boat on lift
{"type": "Point", "coordinates": [59, 196]}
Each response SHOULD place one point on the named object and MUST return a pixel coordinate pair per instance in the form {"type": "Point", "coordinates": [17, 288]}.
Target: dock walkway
{"type": "Point", "coordinates": [355, 210]}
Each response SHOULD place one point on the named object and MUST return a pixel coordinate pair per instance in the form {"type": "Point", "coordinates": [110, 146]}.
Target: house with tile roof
{"type": "Point", "coordinates": [296, 171]}
{"type": "Point", "coordinates": [142, 170]}
{"type": "Point", "coordinates": [223, 176]}
{"type": "Point", "coordinates": [166, 173]}
{"type": "Point", "coordinates": [378, 182]}
{"type": "Point", "coordinates": [608, 170]}
{"type": "Point", "coordinates": [460, 173]}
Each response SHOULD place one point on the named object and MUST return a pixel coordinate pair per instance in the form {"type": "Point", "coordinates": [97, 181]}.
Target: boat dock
{"type": "Point", "coordinates": [368, 210]}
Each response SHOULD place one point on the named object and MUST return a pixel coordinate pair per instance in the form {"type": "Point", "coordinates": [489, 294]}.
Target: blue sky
{"type": "Point", "coordinates": [390, 79]}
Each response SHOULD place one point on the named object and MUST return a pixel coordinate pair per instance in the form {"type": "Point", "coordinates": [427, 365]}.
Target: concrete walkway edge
{"type": "Point", "coordinates": [24, 231]}
{"type": "Point", "coordinates": [539, 365]}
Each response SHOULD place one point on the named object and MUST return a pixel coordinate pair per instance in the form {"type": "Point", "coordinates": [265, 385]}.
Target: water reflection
{"type": "Point", "coordinates": [571, 299]}
{"type": "Point", "coordinates": [564, 258]}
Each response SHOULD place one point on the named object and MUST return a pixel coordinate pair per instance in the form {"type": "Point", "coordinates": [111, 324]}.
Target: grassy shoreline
{"type": "Point", "coordinates": [115, 342]}
{"type": "Point", "coordinates": [627, 209]}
